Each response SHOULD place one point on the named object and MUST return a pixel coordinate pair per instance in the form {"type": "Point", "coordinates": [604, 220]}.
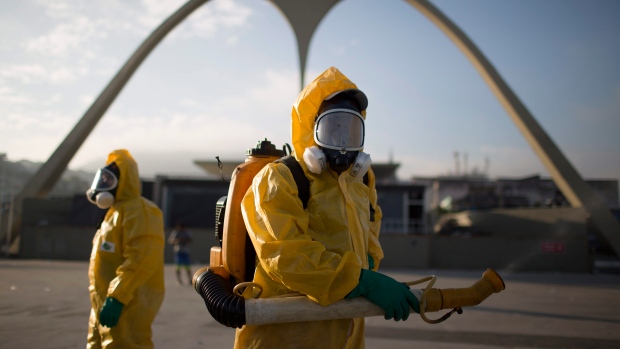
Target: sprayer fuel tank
{"type": "Point", "coordinates": [235, 234]}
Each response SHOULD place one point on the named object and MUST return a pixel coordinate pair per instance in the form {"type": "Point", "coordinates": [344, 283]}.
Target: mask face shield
{"type": "Point", "coordinates": [105, 182]}
{"type": "Point", "coordinates": [340, 129]}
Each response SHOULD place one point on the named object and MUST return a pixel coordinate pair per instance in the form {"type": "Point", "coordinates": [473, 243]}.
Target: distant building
{"type": "Point", "coordinates": [193, 200]}
{"type": "Point", "coordinates": [384, 172]}
{"type": "Point", "coordinates": [455, 193]}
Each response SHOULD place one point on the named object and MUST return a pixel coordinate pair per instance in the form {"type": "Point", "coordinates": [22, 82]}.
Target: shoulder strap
{"type": "Point", "coordinates": [302, 182]}
{"type": "Point", "coordinates": [372, 209]}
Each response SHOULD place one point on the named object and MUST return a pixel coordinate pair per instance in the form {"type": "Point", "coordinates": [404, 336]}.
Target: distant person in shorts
{"type": "Point", "coordinates": [181, 238]}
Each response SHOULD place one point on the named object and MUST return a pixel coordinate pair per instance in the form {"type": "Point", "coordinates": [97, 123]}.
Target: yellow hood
{"type": "Point", "coordinates": [129, 181]}
{"type": "Point", "coordinates": [307, 106]}
{"type": "Point", "coordinates": [318, 250]}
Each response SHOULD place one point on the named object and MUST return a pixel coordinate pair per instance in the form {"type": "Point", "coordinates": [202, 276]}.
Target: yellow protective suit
{"type": "Point", "coordinates": [127, 263]}
{"type": "Point", "coordinates": [319, 251]}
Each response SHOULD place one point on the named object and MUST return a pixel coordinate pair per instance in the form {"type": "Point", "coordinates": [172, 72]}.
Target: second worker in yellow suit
{"type": "Point", "coordinates": [126, 271]}
{"type": "Point", "coordinates": [326, 250]}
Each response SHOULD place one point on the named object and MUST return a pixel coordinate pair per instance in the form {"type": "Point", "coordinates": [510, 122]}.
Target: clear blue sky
{"type": "Point", "coordinates": [228, 76]}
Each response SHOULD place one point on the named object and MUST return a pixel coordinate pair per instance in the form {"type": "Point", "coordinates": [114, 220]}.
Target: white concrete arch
{"type": "Point", "coordinates": [565, 176]}
{"type": "Point", "coordinates": [304, 17]}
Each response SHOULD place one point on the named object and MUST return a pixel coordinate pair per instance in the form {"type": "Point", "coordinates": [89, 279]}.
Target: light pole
{"type": "Point", "coordinates": [9, 224]}
{"type": "Point", "coordinates": [2, 185]}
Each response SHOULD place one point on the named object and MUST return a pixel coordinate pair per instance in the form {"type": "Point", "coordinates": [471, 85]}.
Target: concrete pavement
{"type": "Point", "coordinates": [45, 305]}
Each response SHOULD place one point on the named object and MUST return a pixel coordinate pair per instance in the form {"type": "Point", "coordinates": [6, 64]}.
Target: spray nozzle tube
{"type": "Point", "coordinates": [435, 299]}
{"type": "Point", "coordinates": [232, 310]}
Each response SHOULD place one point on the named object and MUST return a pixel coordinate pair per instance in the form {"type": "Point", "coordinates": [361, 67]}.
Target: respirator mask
{"type": "Point", "coordinates": [339, 133]}
{"type": "Point", "coordinates": [103, 189]}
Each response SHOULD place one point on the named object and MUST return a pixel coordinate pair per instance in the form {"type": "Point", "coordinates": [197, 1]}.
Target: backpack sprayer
{"type": "Point", "coordinates": [232, 263]}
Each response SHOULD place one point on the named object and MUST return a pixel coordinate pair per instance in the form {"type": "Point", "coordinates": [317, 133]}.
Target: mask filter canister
{"type": "Point", "coordinates": [104, 200]}
{"type": "Point", "coordinates": [361, 165]}
{"type": "Point", "coordinates": [315, 159]}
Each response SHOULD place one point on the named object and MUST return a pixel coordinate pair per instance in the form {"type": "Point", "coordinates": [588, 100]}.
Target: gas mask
{"type": "Point", "coordinates": [339, 133]}
{"type": "Point", "coordinates": [105, 184]}
{"type": "Point", "coordinates": [317, 159]}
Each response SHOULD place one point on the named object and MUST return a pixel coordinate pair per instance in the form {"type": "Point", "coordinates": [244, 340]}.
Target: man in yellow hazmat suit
{"type": "Point", "coordinates": [326, 250]}
{"type": "Point", "coordinates": [126, 271]}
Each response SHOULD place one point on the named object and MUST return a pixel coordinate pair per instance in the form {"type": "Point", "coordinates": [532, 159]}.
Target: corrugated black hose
{"type": "Point", "coordinates": [225, 306]}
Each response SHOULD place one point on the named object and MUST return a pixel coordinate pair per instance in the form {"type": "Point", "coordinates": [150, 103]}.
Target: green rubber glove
{"type": "Point", "coordinates": [371, 262]}
{"type": "Point", "coordinates": [394, 297]}
{"type": "Point", "coordinates": [110, 312]}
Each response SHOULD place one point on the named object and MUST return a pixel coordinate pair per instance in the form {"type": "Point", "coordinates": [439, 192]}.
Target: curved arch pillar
{"type": "Point", "coordinates": [46, 177]}
{"type": "Point", "coordinates": [568, 180]}
{"type": "Point", "coordinates": [304, 17]}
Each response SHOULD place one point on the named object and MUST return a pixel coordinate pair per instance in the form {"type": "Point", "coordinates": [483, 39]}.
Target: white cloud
{"type": "Point", "coordinates": [57, 8]}
{"type": "Point", "coordinates": [190, 103]}
{"type": "Point", "coordinates": [25, 72]}
{"type": "Point", "coordinates": [231, 41]}
{"type": "Point", "coordinates": [33, 133]}
{"type": "Point", "coordinates": [35, 122]}
{"type": "Point", "coordinates": [277, 92]}
{"type": "Point", "coordinates": [9, 97]}
{"type": "Point", "coordinates": [180, 133]}
{"type": "Point", "coordinates": [194, 129]}
{"type": "Point", "coordinates": [155, 11]}
{"type": "Point", "coordinates": [208, 20]}
{"type": "Point", "coordinates": [231, 13]}
{"type": "Point", "coordinates": [76, 37]}
{"type": "Point", "coordinates": [87, 99]}
{"type": "Point", "coordinates": [37, 73]}
{"type": "Point", "coordinates": [73, 46]}
{"type": "Point", "coordinates": [51, 100]}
